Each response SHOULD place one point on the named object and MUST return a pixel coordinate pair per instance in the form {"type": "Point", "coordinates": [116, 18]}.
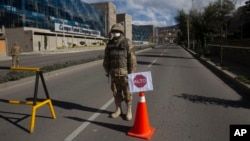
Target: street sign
{"type": "Point", "coordinates": [139, 82]}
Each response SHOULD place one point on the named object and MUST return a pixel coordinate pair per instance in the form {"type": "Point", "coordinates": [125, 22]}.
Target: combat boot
{"type": "Point", "coordinates": [117, 113]}
{"type": "Point", "coordinates": [129, 112]}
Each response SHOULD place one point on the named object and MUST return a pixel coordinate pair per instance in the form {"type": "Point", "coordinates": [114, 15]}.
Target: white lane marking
{"type": "Point", "coordinates": [157, 59]}
{"type": "Point", "coordinates": [152, 63]}
{"type": "Point", "coordinates": [78, 130]}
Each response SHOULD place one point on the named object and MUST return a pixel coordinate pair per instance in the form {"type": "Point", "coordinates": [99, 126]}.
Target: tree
{"type": "Point", "coordinates": [214, 15]}
{"type": "Point", "coordinates": [181, 19]}
{"type": "Point", "coordinates": [207, 23]}
{"type": "Point", "coordinates": [197, 28]}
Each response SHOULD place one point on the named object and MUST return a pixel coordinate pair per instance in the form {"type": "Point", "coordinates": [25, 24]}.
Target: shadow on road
{"type": "Point", "coordinates": [167, 56]}
{"type": "Point", "coordinates": [146, 63]}
{"type": "Point", "coordinates": [70, 105]}
{"type": "Point", "coordinates": [243, 103]}
{"type": "Point", "coordinates": [14, 117]}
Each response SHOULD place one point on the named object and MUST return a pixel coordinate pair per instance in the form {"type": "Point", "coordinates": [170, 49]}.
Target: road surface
{"type": "Point", "coordinates": [188, 103]}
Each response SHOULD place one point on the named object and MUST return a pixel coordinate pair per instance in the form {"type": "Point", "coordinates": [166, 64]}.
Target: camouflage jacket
{"type": "Point", "coordinates": [15, 50]}
{"type": "Point", "coordinates": [119, 57]}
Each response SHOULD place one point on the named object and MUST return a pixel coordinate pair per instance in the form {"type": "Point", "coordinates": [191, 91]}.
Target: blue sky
{"type": "Point", "coordinates": [157, 12]}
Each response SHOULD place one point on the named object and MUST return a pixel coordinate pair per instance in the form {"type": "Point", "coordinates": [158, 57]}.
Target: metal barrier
{"type": "Point", "coordinates": [226, 46]}
{"type": "Point", "coordinates": [35, 104]}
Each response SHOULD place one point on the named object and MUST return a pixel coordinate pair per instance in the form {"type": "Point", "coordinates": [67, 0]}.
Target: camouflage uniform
{"type": "Point", "coordinates": [15, 52]}
{"type": "Point", "coordinates": [120, 60]}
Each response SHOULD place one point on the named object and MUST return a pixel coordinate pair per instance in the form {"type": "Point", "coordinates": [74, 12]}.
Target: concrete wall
{"type": "Point", "coordinates": [29, 38]}
{"type": "Point", "coordinates": [126, 21]}
{"type": "Point", "coordinates": [51, 42]}
{"type": "Point", "coordinates": [36, 39]}
{"type": "Point", "coordinates": [24, 39]}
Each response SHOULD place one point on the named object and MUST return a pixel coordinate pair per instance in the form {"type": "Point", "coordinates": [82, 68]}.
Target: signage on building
{"type": "Point", "coordinates": [76, 30]}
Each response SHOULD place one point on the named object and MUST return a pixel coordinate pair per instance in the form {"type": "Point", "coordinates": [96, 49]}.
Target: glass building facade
{"type": "Point", "coordinates": [141, 33]}
{"type": "Point", "coordinates": [45, 13]}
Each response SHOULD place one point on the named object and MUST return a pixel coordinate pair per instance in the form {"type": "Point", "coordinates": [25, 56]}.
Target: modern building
{"type": "Point", "coordinates": [112, 17]}
{"type": "Point", "coordinates": [109, 11]}
{"type": "Point", "coordinates": [142, 33]}
{"type": "Point", "coordinates": [39, 25]}
{"type": "Point", "coordinates": [126, 21]}
{"type": "Point", "coordinates": [48, 24]}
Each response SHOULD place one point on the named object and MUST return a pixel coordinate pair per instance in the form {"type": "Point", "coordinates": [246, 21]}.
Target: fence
{"type": "Point", "coordinates": [237, 54]}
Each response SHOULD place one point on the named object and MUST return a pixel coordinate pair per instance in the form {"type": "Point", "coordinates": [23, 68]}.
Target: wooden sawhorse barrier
{"type": "Point", "coordinates": [35, 104]}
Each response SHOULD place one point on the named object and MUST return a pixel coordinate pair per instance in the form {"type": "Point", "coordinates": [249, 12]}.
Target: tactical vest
{"type": "Point", "coordinates": [118, 54]}
{"type": "Point", "coordinates": [15, 50]}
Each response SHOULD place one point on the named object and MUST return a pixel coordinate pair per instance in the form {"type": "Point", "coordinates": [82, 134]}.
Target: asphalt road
{"type": "Point", "coordinates": [51, 58]}
{"type": "Point", "coordinates": [188, 103]}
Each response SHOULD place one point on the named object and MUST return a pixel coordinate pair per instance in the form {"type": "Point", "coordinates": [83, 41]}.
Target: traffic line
{"type": "Point", "coordinates": [152, 63]}
{"type": "Point", "coordinates": [78, 130]}
{"type": "Point", "coordinates": [84, 125]}
{"type": "Point", "coordinates": [157, 59]}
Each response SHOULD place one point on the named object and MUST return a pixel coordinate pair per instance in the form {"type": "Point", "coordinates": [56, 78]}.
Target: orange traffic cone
{"type": "Point", "coordinates": [141, 128]}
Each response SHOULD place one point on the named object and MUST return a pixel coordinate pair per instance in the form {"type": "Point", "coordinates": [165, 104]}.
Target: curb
{"type": "Point", "coordinates": [228, 77]}
{"type": "Point", "coordinates": [48, 75]}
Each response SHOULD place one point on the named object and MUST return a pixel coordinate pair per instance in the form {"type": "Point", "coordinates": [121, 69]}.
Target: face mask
{"type": "Point", "coordinates": [116, 35]}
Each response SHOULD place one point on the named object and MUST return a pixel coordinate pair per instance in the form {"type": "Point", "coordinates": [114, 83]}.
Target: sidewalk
{"type": "Point", "coordinates": [4, 57]}
{"type": "Point", "coordinates": [57, 51]}
{"type": "Point", "coordinates": [229, 72]}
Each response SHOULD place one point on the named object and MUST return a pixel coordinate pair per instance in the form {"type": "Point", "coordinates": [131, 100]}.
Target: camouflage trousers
{"type": "Point", "coordinates": [15, 60]}
{"type": "Point", "coordinates": [120, 88]}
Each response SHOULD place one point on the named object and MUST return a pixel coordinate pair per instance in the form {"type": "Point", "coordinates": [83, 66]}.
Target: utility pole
{"type": "Point", "coordinates": [188, 32]}
{"type": "Point", "coordinates": [221, 49]}
{"type": "Point", "coordinates": [192, 11]}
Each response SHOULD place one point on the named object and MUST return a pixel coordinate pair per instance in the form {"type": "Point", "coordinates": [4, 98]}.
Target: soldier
{"type": "Point", "coordinates": [119, 61]}
{"type": "Point", "coordinates": [15, 52]}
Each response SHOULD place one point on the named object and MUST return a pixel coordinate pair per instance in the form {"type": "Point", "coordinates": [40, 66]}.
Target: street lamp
{"type": "Point", "coordinates": [188, 32]}
{"type": "Point", "coordinates": [221, 26]}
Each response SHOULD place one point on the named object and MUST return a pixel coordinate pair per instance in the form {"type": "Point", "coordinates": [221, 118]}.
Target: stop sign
{"type": "Point", "coordinates": [140, 81]}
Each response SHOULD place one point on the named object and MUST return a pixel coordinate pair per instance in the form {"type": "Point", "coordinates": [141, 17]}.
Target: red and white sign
{"type": "Point", "coordinates": [139, 82]}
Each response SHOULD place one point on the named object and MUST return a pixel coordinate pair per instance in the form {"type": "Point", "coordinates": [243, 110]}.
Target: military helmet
{"type": "Point", "coordinates": [117, 27]}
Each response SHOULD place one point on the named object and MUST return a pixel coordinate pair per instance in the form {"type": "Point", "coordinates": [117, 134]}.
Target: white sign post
{"type": "Point", "coordinates": [140, 82]}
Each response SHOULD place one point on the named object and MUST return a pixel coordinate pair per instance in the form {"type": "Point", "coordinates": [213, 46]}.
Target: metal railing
{"type": "Point", "coordinates": [226, 46]}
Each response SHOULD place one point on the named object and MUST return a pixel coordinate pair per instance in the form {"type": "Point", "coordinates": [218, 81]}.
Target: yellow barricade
{"type": "Point", "coordinates": [35, 104]}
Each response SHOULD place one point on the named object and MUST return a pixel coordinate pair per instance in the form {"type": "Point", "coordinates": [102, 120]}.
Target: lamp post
{"type": "Point", "coordinates": [221, 49]}
{"type": "Point", "coordinates": [188, 33]}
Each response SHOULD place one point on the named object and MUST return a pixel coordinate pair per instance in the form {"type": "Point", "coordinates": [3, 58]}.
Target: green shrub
{"type": "Point", "coordinates": [243, 79]}
{"type": "Point", "coordinates": [16, 75]}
